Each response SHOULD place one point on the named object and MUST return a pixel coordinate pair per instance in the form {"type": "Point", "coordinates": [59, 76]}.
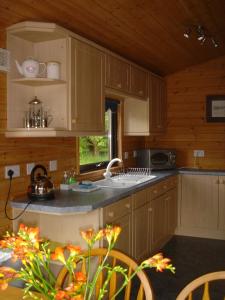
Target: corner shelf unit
{"type": "Point", "coordinates": [44, 42]}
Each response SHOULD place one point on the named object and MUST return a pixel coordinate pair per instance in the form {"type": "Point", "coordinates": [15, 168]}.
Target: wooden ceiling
{"type": "Point", "coordinates": [148, 32]}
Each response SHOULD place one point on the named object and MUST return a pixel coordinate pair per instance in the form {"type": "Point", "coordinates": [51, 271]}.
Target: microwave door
{"type": "Point", "coordinates": [159, 159]}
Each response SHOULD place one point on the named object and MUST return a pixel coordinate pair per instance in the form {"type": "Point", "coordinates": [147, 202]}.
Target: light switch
{"type": "Point", "coordinates": [53, 165]}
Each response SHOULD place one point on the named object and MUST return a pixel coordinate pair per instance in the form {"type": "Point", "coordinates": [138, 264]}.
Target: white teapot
{"type": "Point", "coordinates": [30, 68]}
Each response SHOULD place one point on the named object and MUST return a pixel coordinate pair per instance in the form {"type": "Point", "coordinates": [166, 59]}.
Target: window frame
{"type": "Point", "coordinates": [112, 104]}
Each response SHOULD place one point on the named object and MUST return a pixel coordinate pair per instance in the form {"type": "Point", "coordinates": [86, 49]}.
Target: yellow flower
{"type": "Point", "coordinates": [88, 235]}
{"type": "Point", "coordinates": [58, 254]}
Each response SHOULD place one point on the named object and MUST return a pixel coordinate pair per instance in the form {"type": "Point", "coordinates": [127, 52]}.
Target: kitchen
{"type": "Point", "coordinates": [188, 81]}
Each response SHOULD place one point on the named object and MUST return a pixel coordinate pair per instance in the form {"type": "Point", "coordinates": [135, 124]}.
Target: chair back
{"type": "Point", "coordinates": [187, 291]}
{"type": "Point", "coordinates": [144, 290]}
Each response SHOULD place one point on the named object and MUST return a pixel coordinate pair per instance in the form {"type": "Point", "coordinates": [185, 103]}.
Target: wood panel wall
{"type": "Point", "coordinates": [187, 128]}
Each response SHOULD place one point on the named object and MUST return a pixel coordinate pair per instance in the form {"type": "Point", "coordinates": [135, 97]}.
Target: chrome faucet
{"type": "Point", "coordinates": [107, 173]}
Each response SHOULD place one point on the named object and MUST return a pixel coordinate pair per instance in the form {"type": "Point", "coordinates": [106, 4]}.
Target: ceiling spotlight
{"type": "Point", "coordinates": [200, 33]}
{"type": "Point", "coordinates": [203, 40]}
{"type": "Point", "coordinates": [187, 33]}
{"type": "Point", "coordinates": [214, 43]}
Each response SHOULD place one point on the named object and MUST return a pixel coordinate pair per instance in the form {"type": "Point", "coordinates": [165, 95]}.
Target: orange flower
{"type": "Point", "coordinates": [112, 233]}
{"type": "Point", "coordinates": [80, 277]}
{"type": "Point", "coordinates": [99, 235]}
{"type": "Point", "coordinates": [60, 295]}
{"type": "Point", "coordinates": [88, 235]}
{"type": "Point", "coordinates": [58, 254]}
{"type": "Point", "coordinates": [74, 250]}
{"type": "Point", "coordinates": [159, 262]}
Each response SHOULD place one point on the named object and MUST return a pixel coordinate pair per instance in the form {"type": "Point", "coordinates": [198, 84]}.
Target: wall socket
{"type": "Point", "coordinates": [30, 167]}
{"type": "Point", "coordinates": [53, 165]}
{"type": "Point", "coordinates": [199, 153]}
{"type": "Point", "coordinates": [134, 153]}
{"type": "Point", "coordinates": [126, 155]}
{"type": "Point", "coordinates": [14, 168]}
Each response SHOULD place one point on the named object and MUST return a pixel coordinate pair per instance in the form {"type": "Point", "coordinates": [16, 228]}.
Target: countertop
{"type": "Point", "coordinates": [70, 202]}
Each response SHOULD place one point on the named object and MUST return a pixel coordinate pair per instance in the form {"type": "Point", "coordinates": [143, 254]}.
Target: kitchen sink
{"type": "Point", "coordinates": [123, 181]}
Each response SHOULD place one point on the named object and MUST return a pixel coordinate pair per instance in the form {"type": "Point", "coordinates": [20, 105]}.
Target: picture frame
{"type": "Point", "coordinates": [215, 108]}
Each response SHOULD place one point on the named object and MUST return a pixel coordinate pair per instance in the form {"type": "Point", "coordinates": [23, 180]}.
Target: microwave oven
{"type": "Point", "coordinates": [156, 159]}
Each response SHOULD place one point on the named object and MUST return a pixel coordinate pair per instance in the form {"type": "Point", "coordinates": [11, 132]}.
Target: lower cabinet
{"type": "Point", "coordinates": [140, 235]}
{"type": "Point", "coordinates": [202, 206]}
{"type": "Point", "coordinates": [163, 212]}
{"type": "Point", "coordinates": [148, 218]}
{"type": "Point", "coordinates": [119, 213]}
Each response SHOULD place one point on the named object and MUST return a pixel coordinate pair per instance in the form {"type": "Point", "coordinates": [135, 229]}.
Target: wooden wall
{"type": "Point", "coordinates": [187, 128]}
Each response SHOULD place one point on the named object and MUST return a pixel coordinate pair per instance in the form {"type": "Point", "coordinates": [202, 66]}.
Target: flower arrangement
{"type": "Point", "coordinates": [36, 256]}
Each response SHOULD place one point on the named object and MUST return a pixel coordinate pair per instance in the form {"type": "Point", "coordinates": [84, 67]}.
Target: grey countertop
{"type": "Point", "coordinates": [70, 202]}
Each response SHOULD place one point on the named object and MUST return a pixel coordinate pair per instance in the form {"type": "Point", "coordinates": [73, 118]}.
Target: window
{"type": "Point", "coordinates": [97, 151]}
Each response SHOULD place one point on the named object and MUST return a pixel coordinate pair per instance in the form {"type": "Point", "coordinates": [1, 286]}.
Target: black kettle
{"type": "Point", "coordinates": [41, 187]}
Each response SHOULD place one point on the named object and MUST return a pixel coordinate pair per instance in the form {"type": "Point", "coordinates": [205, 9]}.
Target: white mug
{"type": "Point", "coordinates": [53, 69]}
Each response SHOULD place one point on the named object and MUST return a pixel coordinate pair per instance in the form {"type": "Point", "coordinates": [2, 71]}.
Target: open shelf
{"type": "Point", "coordinates": [38, 132]}
{"type": "Point", "coordinates": [38, 81]}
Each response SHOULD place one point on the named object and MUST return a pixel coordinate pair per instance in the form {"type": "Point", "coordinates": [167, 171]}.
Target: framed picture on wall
{"type": "Point", "coordinates": [215, 108]}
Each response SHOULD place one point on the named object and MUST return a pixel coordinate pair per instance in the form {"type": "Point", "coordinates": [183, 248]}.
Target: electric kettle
{"type": "Point", "coordinates": [41, 188]}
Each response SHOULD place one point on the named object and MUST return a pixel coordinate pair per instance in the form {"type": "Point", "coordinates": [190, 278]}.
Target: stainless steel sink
{"type": "Point", "coordinates": [123, 181]}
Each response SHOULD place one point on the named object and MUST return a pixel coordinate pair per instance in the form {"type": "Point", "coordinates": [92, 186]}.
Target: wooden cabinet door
{"type": "Point", "coordinates": [117, 73]}
{"type": "Point", "coordinates": [140, 225]}
{"type": "Point", "coordinates": [157, 105]}
{"type": "Point", "coordinates": [124, 242]}
{"type": "Point", "coordinates": [138, 82]}
{"type": "Point", "coordinates": [199, 201]}
{"type": "Point", "coordinates": [171, 211]}
{"type": "Point", "coordinates": [119, 213]}
{"type": "Point", "coordinates": [87, 88]}
{"type": "Point", "coordinates": [221, 220]}
{"type": "Point", "coordinates": [157, 222]}
{"type": "Point", "coordinates": [136, 117]}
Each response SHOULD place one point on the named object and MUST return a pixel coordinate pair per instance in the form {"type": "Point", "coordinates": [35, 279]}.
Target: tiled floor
{"type": "Point", "coordinates": [192, 257]}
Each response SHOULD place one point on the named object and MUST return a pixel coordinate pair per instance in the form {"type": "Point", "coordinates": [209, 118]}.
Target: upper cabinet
{"type": "Point", "coordinates": [138, 82]}
{"type": "Point", "coordinates": [87, 88]}
{"type": "Point", "coordinates": [117, 73]}
{"type": "Point", "coordinates": [74, 100]}
{"type": "Point", "coordinates": [126, 77]}
{"type": "Point", "coordinates": [157, 105]}
{"type": "Point", "coordinates": [72, 92]}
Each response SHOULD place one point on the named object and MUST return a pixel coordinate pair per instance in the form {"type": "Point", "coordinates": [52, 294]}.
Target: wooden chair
{"type": "Point", "coordinates": [116, 258]}
{"type": "Point", "coordinates": [187, 291]}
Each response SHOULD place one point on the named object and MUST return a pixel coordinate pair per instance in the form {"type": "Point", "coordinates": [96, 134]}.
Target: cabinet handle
{"type": "Point", "coordinates": [73, 121]}
{"type": "Point", "coordinates": [140, 92]}
{"type": "Point", "coordinates": [155, 191]}
{"type": "Point", "coordinates": [165, 187]}
{"type": "Point", "coordinates": [127, 205]}
{"type": "Point", "coordinates": [119, 85]}
{"type": "Point", "coordinates": [149, 209]}
{"type": "Point", "coordinates": [167, 198]}
{"type": "Point", "coordinates": [217, 181]}
{"type": "Point", "coordinates": [111, 214]}
{"type": "Point", "coordinates": [158, 126]}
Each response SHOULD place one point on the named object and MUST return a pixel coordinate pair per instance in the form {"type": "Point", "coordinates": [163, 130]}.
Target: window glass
{"type": "Point", "coordinates": [97, 151]}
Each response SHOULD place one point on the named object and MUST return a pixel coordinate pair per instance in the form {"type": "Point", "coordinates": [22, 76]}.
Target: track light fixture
{"type": "Point", "coordinates": [200, 33]}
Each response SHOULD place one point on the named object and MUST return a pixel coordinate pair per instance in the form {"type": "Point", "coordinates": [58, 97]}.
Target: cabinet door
{"type": "Point", "coordinates": [157, 105]}
{"type": "Point", "coordinates": [140, 225]}
{"type": "Point", "coordinates": [117, 73]}
{"type": "Point", "coordinates": [221, 222]}
{"type": "Point", "coordinates": [199, 201]}
{"type": "Point", "coordinates": [171, 211]}
{"type": "Point", "coordinates": [119, 213]}
{"type": "Point", "coordinates": [136, 117]}
{"type": "Point", "coordinates": [87, 88]}
{"type": "Point", "coordinates": [157, 222]}
{"type": "Point", "coordinates": [138, 82]}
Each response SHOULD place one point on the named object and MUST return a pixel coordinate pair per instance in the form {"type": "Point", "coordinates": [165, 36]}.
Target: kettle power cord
{"type": "Point", "coordinates": [10, 174]}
